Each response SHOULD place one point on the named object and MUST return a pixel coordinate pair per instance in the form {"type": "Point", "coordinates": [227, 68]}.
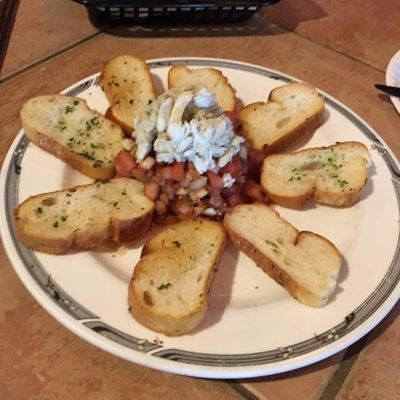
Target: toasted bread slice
{"type": "Point", "coordinates": [304, 263]}
{"type": "Point", "coordinates": [169, 288]}
{"type": "Point", "coordinates": [82, 217]}
{"type": "Point", "coordinates": [292, 113]}
{"type": "Point", "coordinates": [212, 79]}
{"type": "Point", "coordinates": [128, 86]}
{"type": "Point", "coordinates": [332, 175]}
{"type": "Point", "coordinates": [65, 127]}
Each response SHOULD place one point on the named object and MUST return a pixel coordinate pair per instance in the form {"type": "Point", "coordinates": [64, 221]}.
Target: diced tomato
{"type": "Point", "coordinates": [216, 182]}
{"type": "Point", "coordinates": [178, 171]}
{"type": "Point", "coordinates": [234, 167]}
{"type": "Point", "coordinates": [151, 190]}
{"type": "Point", "coordinates": [165, 172]}
{"type": "Point", "coordinates": [253, 191]}
{"type": "Point", "coordinates": [158, 179]}
{"type": "Point", "coordinates": [229, 191]}
{"type": "Point", "coordinates": [160, 207]}
{"type": "Point", "coordinates": [137, 174]}
{"type": "Point", "coordinates": [184, 208]}
{"type": "Point", "coordinates": [235, 199]}
{"type": "Point", "coordinates": [164, 198]}
{"type": "Point", "coordinates": [234, 117]}
{"type": "Point", "coordinates": [124, 163]}
{"type": "Point", "coordinates": [169, 189]}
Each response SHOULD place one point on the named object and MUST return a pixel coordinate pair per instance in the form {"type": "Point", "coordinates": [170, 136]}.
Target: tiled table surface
{"type": "Point", "coordinates": [340, 46]}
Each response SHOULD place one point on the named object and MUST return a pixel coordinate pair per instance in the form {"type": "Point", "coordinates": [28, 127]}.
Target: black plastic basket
{"type": "Point", "coordinates": [177, 11]}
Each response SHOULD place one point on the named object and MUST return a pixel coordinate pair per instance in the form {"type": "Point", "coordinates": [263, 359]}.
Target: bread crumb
{"type": "Point", "coordinates": [122, 250]}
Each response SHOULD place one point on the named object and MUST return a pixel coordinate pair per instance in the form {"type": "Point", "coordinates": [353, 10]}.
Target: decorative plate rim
{"type": "Point", "coordinates": [90, 328]}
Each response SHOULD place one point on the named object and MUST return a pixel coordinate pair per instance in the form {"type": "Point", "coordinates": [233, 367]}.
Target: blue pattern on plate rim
{"type": "Point", "coordinates": [91, 321]}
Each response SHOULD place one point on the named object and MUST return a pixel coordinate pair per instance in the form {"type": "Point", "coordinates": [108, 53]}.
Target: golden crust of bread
{"type": "Point", "coordinates": [302, 133]}
{"type": "Point", "coordinates": [72, 158]}
{"type": "Point", "coordinates": [280, 108]}
{"type": "Point", "coordinates": [128, 86]}
{"type": "Point", "coordinates": [275, 271]}
{"type": "Point", "coordinates": [168, 324]}
{"type": "Point", "coordinates": [212, 79]}
{"type": "Point", "coordinates": [119, 230]}
{"type": "Point", "coordinates": [277, 183]}
{"type": "Point", "coordinates": [48, 138]}
{"type": "Point", "coordinates": [128, 129]}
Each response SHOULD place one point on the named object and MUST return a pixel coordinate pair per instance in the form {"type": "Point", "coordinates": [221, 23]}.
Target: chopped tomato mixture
{"type": "Point", "coordinates": [180, 192]}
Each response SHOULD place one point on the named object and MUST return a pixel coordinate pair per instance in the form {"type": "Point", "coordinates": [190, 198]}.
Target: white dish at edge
{"type": "Point", "coordinates": [253, 326]}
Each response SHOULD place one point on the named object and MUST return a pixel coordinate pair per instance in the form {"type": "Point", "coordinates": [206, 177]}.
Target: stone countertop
{"type": "Point", "coordinates": [341, 47]}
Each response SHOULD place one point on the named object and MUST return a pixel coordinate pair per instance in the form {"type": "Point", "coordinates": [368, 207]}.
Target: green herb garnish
{"type": "Point", "coordinates": [164, 286]}
{"type": "Point", "coordinates": [176, 243]}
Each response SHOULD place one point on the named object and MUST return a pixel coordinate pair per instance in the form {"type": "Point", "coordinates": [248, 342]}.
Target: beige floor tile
{"type": "Point", "coordinates": [42, 360]}
{"type": "Point", "coordinates": [366, 30]}
{"type": "Point", "coordinates": [43, 27]}
{"type": "Point", "coordinates": [306, 384]}
{"type": "Point", "coordinates": [375, 375]}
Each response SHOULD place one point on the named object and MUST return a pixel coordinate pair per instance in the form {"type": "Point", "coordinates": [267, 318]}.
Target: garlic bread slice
{"type": "Point", "coordinates": [170, 284]}
{"type": "Point", "coordinates": [212, 79]}
{"type": "Point", "coordinates": [128, 86]}
{"type": "Point", "coordinates": [65, 127]}
{"type": "Point", "coordinates": [84, 216]}
{"type": "Point", "coordinates": [333, 175]}
{"type": "Point", "coordinates": [292, 113]}
{"type": "Point", "coordinates": [306, 264]}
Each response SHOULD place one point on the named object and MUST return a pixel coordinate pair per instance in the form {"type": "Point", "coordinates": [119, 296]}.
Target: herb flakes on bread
{"type": "Point", "coordinates": [333, 175]}
{"type": "Point", "coordinates": [292, 113]}
{"type": "Point", "coordinates": [84, 216]}
{"type": "Point", "coordinates": [128, 86]}
{"type": "Point", "coordinates": [212, 79]}
{"type": "Point", "coordinates": [304, 263]}
{"type": "Point", "coordinates": [65, 127]}
{"type": "Point", "coordinates": [170, 284]}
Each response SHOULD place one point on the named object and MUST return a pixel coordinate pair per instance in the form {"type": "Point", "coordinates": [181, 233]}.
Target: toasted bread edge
{"type": "Point", "coordinates": [184, 69]}
{"type": "Point", "coordinates": [73, 159]}
{"type": "Point", "coordinates": [119, 231]}
{"type": "Point", "coordinates": [277, 273]}
{"type": "Point", "coordinates": [167, 324]}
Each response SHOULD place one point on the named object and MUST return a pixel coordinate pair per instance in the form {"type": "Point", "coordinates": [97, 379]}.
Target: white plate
{"type": "Point", "coordinates": [393, 77]}
{"type": "Point", "coordinates": [253, 327]}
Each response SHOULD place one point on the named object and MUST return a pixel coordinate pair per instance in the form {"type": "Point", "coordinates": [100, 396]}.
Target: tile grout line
{"type": "Point", "coordinates": [325, 46]}
{"type": "Point", "coordinates": [246, 393]}
{"type": "Point", "coordinates": [339, 377]}
{"type": "Point", "coordinates": [52, 55]}
{"type": "Point", "coordinates": [89, 37]}
{"type": "Point", "coordinates": [366, 64]}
